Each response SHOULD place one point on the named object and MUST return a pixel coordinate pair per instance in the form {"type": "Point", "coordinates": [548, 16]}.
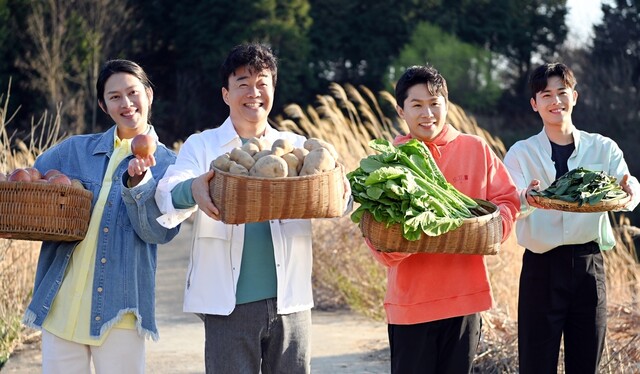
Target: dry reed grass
{"type": "Point", "coordinates": [345, 274]}
{"type": "Point", "coordinates": [18, 258]}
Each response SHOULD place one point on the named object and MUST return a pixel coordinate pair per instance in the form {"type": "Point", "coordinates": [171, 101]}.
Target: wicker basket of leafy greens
{"type": "Point", "coordinates": [583, 190]}
{"type": "Point", "coordinates": [406, 205]}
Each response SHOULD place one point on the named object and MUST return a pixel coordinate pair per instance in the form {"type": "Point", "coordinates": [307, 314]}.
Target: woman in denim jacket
{"type": "Point", "coordinates": [94, 299]}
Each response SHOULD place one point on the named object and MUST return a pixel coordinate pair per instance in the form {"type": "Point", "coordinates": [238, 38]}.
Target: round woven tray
{"type": "Point", "coordinates": [476, 236]}
{"type": "Point", "coordinates": [565, 206]}
{"type": "Point", "coordinates": [44, 211]}
{"type": "Point", "coordinates": [245, 199]}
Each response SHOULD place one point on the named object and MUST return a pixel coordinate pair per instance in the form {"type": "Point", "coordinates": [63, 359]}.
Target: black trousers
{"type": "Point", "coordinates": [438, 347]}
{"type": "Point", "coordinates": [562, 292]}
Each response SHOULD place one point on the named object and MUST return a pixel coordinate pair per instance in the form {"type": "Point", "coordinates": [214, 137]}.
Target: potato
{"type": "Point", "coordinates": [270, 166]}
{"type": "Point", "coordinates": [294, 165]}
{"type": "Point", "coordinates": [277, 151]}
{"type": "Point", "coordinates": [235, 168]}
{"type": "Point", "coordinates": [317, 161]}
{"type": "Point", "coordinates": [261, 154]}
{"type": "Point", "coordinates": [262, 143]}
{"type": "Point", "coordinates": [242, 158]}
{"type": "Point", "coordinates": [250, 148]}
{"type": "Point", "coordinates": [221, 162]}
{"type": "Point", "coordinates": [284, 144]}
{"type": "Point", "coordinates": [300, 153]}
{"type": "Point", "coordinates": [315, 143]}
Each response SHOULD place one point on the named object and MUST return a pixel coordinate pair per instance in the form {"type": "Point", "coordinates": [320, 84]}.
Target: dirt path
{"type": "Point", "coordinates": [342, 341]}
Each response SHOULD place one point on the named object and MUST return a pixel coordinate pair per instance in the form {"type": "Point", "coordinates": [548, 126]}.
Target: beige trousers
{"type": "Point", "coordinates": [122, 353]}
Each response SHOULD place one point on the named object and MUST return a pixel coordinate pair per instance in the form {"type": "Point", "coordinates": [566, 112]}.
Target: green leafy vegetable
{"type": "Point", "coordinates": [584, 187]}
{"type": "Point", "coordinates": [404, 185]}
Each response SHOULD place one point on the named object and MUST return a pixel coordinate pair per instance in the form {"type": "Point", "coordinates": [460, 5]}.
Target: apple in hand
{"type": "Point", "coordinates": [143, 145]}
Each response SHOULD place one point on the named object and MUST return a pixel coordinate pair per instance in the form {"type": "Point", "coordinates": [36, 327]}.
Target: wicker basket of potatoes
{"type": "Point", "coordinates": [260, 181]}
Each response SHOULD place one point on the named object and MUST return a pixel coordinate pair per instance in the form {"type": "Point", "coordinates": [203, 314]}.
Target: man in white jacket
{"type": "Point", "coordinates": [562, 283]}
{"type": "Point", "coordinates": [251, 283]}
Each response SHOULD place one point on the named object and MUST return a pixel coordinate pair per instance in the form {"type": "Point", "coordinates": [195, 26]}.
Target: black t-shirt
{"type": "Point", "coordinates": [559, 155]}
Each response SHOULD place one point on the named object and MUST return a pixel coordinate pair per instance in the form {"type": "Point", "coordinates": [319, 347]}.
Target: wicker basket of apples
{"type": "Point", "coordinates": [50, 206]}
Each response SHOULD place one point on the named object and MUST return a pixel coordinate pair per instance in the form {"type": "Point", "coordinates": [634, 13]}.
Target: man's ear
{"type": "Point", "coordinates": [400, 111]}
{"type": "Point", "coordinates": [534, 105]}
{"type": "Point", "coordinates": [101, 105]}
{"type": "Point", "coordinates": [225, 95]}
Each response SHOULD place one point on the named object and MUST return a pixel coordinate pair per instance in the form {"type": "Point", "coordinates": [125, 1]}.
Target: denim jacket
{"type": "Point", "coordinates": [125, 267]}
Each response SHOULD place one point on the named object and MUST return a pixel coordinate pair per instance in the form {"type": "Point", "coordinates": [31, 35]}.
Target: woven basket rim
{"type": "Point", "coordinates": [567, 206]}
{"type": "Point", "coordinates": [252, 177]}
{"type": "Point", "coordinates": [42, 186]}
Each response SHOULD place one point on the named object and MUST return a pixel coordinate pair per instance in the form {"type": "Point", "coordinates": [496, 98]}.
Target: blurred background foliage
{"type": "Point", "coordinates": [53, 49]}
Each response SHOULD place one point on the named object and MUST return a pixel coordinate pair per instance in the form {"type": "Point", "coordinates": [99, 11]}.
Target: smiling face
{"type": "Point", "coordinates": [555, 102]}
{"type": "Point", "coordinates": [127, 101]}
{"type": "Point", "coordinates": [424, 113]}
{"type": "Point", "coordinates": [250, 97]}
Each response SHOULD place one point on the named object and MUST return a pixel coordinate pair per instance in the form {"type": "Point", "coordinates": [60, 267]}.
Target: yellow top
{"type": "Point", "coordinates": [70, 313]}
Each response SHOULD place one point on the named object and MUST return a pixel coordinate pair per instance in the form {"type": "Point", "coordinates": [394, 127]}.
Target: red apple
{"type": "Point", "coordinates": [143, 145]}
{"type": "Point", "coordinates": [19, 175]}
{"type": "Point", "coordinates": [50, 173]}
{"type": "Point", "coordinates": [34, 173]}
{"type": "Point", "coordinates": [60, 179]}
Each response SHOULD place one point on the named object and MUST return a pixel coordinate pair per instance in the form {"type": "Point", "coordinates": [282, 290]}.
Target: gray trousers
{"type": "Point", "coordinates": [255, 339]}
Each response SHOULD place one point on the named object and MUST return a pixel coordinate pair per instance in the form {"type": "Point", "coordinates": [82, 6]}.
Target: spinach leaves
{"type": "Point", "coordinates": [584, 187]}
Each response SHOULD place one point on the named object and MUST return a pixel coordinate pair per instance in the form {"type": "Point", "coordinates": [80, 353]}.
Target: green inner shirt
{"type": "Point", "coordinates": [257, 279]}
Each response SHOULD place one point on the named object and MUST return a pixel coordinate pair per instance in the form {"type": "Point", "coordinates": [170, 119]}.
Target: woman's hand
{"type": "Point", "coordinates": [138, 167]}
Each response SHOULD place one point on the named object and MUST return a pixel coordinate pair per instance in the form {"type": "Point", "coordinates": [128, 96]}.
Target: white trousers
{"type": "Point", "coordinates": [122, 353]}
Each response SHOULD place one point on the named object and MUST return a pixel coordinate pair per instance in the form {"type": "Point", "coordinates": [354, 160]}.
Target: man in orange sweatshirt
{"type": "Point", "coordinates": [433, 301]}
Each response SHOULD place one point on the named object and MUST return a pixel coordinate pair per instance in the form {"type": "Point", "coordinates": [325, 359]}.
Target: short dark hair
{"type": "Point", "coordinates": [254, 56]}
{"type": "Point", "coordinates": [112, 67]}
{"type": "Point", "coordinates": [436, 84]}
{"type": "Point", "coordinates": [540, 76]}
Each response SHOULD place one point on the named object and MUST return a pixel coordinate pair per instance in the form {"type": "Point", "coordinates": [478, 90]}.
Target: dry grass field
{"type": "Point", "coordinates": [345, 275]}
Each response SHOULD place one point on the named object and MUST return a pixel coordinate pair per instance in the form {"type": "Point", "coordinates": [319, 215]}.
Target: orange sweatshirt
{"type": "Point", "coordinates": [424, 287]}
